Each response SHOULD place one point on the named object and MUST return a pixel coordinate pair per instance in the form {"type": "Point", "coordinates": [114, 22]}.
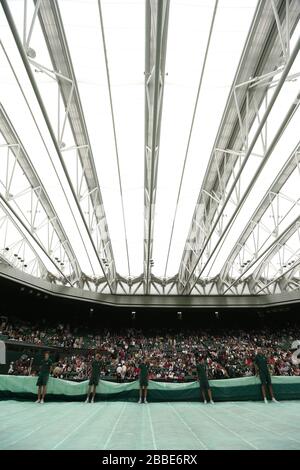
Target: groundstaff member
{"type": "Point", "coordinates": [43, 377]}
{"type": "Point", "coordinates": [262, 370]}
{"type": "Point", "coordinates": [94, 378]}
{"type": "Point", "coordinates": [143, 378]}
{"type": "Point", "coordinates": [203, 380]}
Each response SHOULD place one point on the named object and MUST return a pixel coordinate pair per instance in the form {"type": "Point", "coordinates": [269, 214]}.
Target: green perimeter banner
{"type": "Point", "coordinates": [246, 388]}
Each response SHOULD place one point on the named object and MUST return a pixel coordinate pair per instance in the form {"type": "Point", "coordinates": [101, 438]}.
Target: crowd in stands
{"type": "Point", "coordinates": [171, 354]}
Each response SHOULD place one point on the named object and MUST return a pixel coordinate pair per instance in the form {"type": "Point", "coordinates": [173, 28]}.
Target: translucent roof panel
{"type": "Point", "coordinates": [124, 34]}
{"type": "Point", "coordinates": [20, 104]}
{"type": "Point", "coordinates": [74, 135]}
{"type": "Point", "coordinates": [289, 138]}
{"type": "Point", "coordinates": [185, 57]}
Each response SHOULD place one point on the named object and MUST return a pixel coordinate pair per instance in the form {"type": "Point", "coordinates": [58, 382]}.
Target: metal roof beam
{"type": "Point", "coordinates": [255, 219]}
{"type": "Point", "coordinates": [56, 41]}
{"type": "Point", "coordinates": [276, 246]}
{"type": "Point", "coordinates": [13, 218]}
{"type": "Point", "coordinates": [68, 88]}
{"type": "Point", "coordinates": [262, 55]}
{"type": "Point", "coordinates": [17, 149]}
{"type": "Point", "coordinates": [157, 16]}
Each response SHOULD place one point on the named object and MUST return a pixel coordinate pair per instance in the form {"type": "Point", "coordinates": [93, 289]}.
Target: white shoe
{"type": "Point", "coordinates": [38, 401]}
{"type": "Point", "coordinates": [42, 401]}
{"type": "Point", "coordinates": [205, 402]}
{"type": "Point", "coordinates": [266, 401]}
{"type": "Point", "coordinates": [140, 400]}
{"type": "Point", "coordinates": [87, 400]}
{"type": "Point", "coordinates": [274, 400]}
{"type": "Point", "coordinates": [92, 400]}
{"type": "Point", "coordinates": [212, 402]}
{"type": "Point", "coordinates": [145, 401]}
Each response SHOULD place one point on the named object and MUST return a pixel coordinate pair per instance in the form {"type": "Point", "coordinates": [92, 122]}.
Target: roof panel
{"type": "Point", "coordinates": [88, 58]}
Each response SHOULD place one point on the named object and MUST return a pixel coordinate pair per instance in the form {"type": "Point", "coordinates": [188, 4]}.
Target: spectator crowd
{"type": "Point", "coordinates": [171, 354]}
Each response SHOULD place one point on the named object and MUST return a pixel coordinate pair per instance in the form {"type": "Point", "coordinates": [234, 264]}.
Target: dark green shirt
{"type": "Point", "coordinates": [45, 367]}
{"type": "Point", "coordinates": [261, 362]}
{"type": "Point", "coordinates": [144, 370]}
{"type": "Point", "coordinates": [201, 371]}
{"type": "Point", "coordinates": [96, 366]}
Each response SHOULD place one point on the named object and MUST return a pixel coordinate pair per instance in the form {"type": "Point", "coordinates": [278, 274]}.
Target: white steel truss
{"type": "Point", "coordinates": [284, 258]}
{"type": "Point", "coordinates": [71, 136]}
{"type": "Point", "coordinates": [232, 147]}
{"type": "Point", "coordinates": [264, 227]}
{"type": "Point", "coordinates": [17, 250]}
{"type": "Point", "coordinates": [32, 201]}
{"type": "Point", "coordinates": [157, 16]}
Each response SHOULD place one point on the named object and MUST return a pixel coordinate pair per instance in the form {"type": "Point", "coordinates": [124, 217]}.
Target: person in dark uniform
{"type": "Point", "coordinates": [203, 380]}
{"type": "Point", "coordinates": [143, 378]}
{"type": "Point", "coordinates": [261, 368]}
{"type": "Point", "coordinates": [94, 378]}
{"type": "Point", "coordinates": [43, 377]}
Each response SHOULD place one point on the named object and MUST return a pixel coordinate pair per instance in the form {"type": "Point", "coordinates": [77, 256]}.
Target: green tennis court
{"type": "Point", "coordinates": [125, 425]}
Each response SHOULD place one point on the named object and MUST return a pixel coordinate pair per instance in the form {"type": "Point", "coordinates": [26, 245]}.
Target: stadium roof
{"type": "Point", "coordinates": [151, 146]}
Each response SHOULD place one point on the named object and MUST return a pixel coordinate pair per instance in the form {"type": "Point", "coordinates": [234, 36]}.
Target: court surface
{"type": "Point", "coordinates": [124, 425]}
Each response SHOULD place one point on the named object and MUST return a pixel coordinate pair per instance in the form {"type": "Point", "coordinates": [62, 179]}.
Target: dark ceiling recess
{"type": "Point", "coordinates": [17, 301]}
